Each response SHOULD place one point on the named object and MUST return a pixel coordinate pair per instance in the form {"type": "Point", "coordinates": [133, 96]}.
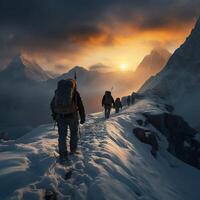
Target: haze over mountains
{"type": "Point", "coordinates": [179, 81]}
{"type": "Point", "coordinates": [151, 64]}
{"type": "Point", "coordinates": [20, 69]}
{"type": "Point", "coordinates": [26, 89]}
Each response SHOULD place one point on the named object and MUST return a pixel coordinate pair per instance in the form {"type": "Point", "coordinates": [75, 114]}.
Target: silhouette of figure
{"type": "Point", "coordinates": [118, 105]}
{"type": "Point", "coordinates": [128, 100]}
{"type": "Point", "coordinates": [107, 102]}
{"type": "Point", "coordinates": [65, 106]}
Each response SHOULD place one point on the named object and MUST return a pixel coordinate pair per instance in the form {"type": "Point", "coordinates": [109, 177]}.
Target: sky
{"type": "Point", "coordinates": [59, 34]}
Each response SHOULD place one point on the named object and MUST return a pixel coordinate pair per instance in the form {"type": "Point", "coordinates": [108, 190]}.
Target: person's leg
{"type": "Point", "coordinates": [62, 132]}
{"type": "Point", "coordinates": [109, 109]}
{"type": "Point", "coordinates": [117, 109]}
{"type": "Point", "coordinates": [74, 128]}
{"type": "Point", "coordinates": [105, 112]}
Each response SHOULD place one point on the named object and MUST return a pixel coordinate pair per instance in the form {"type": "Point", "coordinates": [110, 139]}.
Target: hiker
{"type": "Point", "coordinates": [65, 106]}
{"type": "Point", "coordinates": [128, 100]}
{"type": "Point", "coordinates": [107, 102]}
{"type": "Point", "coordinates": [118, 105]}
{"type": "Point", "coordinates": [133, 98]}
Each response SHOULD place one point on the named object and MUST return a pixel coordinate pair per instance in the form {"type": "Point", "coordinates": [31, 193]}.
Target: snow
{"type": "Point", "coordinates": [21, 67]}
{"type": "Point", "coordinates": [178, 82]}
{"type": "Point", "coordinates": [112, 163]}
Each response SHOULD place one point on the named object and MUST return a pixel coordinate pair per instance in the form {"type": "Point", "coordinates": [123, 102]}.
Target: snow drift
{"type": "Point", "coordinates": [112, 163]}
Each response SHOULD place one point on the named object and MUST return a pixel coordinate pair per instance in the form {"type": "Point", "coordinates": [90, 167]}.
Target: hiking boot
{"type": "Point", "coordinates": [63, 159]}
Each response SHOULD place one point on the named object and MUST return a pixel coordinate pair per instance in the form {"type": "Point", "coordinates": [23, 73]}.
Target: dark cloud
{"type": "Point", "coordinates": [51, 25]}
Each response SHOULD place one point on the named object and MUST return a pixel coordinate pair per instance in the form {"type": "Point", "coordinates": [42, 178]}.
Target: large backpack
{"type": "Point", "coordinates": [108, 98]}
{"type": "Point", "coordinates": [65, 100]}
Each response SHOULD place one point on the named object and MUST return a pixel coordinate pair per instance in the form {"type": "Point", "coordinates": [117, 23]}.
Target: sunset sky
{"type": "Point", "coordinates": [60, 34]}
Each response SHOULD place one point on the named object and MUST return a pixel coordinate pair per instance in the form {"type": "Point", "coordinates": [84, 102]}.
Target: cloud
{"type": "Point", "coordinates": [60, 67]}
{"type": "Point", "coordinates": [100, 67]}
{"type": "Point", "coordinates": [52, 27]}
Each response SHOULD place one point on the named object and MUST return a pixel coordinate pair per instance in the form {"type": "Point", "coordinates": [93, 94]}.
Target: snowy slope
{"type": "Point", "coordinates": [179, 81]}
{"type": "Point", "coordinates": [112, 164]}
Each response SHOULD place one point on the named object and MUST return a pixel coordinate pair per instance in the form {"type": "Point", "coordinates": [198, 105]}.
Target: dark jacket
{"type": "Point", "coordinates": [79, 103]}
{"type": "Point", "coordinates": [106, 104]}
{"type": "Point", "coordinates": [118, 104]}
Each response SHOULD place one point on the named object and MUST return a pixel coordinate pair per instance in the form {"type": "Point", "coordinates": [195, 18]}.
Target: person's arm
{"type": "Point", "coordinates": [113, 102]}
{"type": "Point", "coordinates": [52, 105]}
{"type": "Point", "coordinates": [80, 108]}
{"type": "Point", "coordinates": [103, 99]}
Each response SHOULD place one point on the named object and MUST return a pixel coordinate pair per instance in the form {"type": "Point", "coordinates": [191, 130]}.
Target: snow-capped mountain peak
{"type": "Point", "coordinates": [21, 68]}
{"type": "Point", "coordinates": [179, 81]}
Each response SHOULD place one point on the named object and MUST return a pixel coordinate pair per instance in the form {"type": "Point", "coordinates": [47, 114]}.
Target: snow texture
{"type": "Point", "coordinates": [112, 163]}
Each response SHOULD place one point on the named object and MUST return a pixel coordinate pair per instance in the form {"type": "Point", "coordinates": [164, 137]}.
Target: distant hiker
{"type": "Point", "coordinates": [128, 100]}
{"type": "Point", "coordinates": [65, 106]}
{"type": "Point", "coordinates": [133, 98]}
{"type": "Point", "coordinates": [107, 102]}
{"type": "Point", "coordinates": [118, 104]}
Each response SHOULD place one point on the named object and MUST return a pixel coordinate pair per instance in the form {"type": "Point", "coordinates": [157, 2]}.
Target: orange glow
{"type": "Point", "coordinates": [123, 67]}
{"type": "Point", "coordinates": [114, 47]}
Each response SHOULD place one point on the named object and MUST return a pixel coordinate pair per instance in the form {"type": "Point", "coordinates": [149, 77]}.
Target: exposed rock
{"type": "Point", "coordinates": [140, 122]}
{"type": "Point", "coordinates": [50, 195]}
{"type": "Point", "coordinates": [146, 136]}
{"type": "Point", "coordinates": [169, 108]}
{"type": "Point", "coordinates": [178, 133]}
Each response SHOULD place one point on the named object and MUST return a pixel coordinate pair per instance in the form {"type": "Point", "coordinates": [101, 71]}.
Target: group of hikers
{"type": "Point", "coordinates": [108, 103]}
{"type": "Point", "coordinates": [67, 106]}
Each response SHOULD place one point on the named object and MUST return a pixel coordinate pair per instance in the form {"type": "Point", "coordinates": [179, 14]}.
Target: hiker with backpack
{"type": "Point", "coordinates": [128, 100]}
{"type": "Point", "coordinates": [65, 106]}
{"type": "Point", "coordinates": [118, 105]}
{"type": "Point", "coordinates": [107, 103]}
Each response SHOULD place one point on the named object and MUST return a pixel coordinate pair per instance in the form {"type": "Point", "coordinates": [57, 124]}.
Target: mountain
{"type": "Point", "coordinates": [179, 81]}
{"type": "Point", "coordinates": [154, 62]}
{"type": "Point", "coordinates": [52, 74]}
{"type": "Point", "coordinates": [20, 69]}
{"type": "Point", "coordinates": [151, 65]}
{"type": "Point", "coordinates": [24, 98]}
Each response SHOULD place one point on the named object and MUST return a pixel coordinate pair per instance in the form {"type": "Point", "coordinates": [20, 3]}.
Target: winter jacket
{"type": "Point", "coordinates": [118, 104]}
{"type": "Point", "coordinates": [112, 102]}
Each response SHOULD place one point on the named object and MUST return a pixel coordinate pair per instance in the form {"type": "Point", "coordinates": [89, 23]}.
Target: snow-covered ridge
{"type": "Point", "coordinates": [112, 163]}
{"type": "Point", "coordinates": [179, 81]}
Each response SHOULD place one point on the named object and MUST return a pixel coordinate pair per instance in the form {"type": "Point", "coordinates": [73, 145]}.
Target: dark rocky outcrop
{"type": "Point", "coordinates": [50, 195]}
{"type": "Point", "coordinates": [180, 136]}
{"type": "Point", "coordinates": [147, 137]}
{"type": "Point", "coordinates": [139, 122]}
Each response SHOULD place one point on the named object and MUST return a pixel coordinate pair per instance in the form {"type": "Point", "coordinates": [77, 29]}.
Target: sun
{"type": "Point", "coordinates": [123, 67]}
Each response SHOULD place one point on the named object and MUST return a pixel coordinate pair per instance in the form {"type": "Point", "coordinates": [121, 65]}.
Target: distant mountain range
{"type": "Point", "coordinates": [26, 88]}
{"type": "Point", "coordinates": [179, 81]}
